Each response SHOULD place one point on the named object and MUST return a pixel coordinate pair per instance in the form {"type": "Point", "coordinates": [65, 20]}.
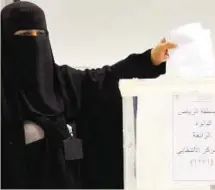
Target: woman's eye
{"type": "Point", "coordinates": [41, 33]}
{"type": "Point", "coordinates": [25, 34]}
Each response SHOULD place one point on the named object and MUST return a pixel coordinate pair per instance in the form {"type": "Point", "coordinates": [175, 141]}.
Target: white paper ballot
{"type": "Point", "coordinates": [194, 55]}
{"type": "Point", "coordinates": [192, 30]}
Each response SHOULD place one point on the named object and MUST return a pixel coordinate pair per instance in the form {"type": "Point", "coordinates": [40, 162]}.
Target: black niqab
{"type": "Point", "coordinates": [27, 62]}
{"type": "Point", "coordinates": [30, 91]}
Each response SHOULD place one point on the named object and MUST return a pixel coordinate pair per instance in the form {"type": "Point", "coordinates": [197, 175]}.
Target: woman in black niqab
{"type": "Point", "coordinates": [28, 59]}
{"type": "Point", "coordinates": [38, 93]}
{"type": "Point", "coordinates": [30, 92]}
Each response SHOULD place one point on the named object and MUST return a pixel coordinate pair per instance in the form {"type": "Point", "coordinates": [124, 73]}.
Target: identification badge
{"type": "Point", "coordinates": [73, 149]}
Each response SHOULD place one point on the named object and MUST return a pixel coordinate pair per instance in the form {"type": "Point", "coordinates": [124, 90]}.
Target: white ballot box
{"type": "Point", "coordinates": [169, 134]}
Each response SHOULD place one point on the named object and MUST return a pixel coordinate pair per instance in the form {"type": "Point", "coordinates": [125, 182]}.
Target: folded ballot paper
{"type": "Point", "coordinates": [194, 55]}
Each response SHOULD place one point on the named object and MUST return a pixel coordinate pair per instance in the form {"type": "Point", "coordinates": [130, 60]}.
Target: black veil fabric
{"type": "Point", "coordinates": [28, 66]}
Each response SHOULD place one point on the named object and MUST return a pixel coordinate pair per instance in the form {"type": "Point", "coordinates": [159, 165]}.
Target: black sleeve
{"type": "Point", "coordinates": [134, 66]}
{"type": "Point", "coordinates": [138, 66]}
{"type": "Point", "coordinates": [82, 87]}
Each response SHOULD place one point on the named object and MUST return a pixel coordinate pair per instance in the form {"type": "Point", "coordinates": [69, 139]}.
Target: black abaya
{"type": "Point", "coordinates": [36, 89]}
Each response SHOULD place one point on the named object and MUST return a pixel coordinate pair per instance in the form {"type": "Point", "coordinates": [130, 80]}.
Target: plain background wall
{"type": "Point", "coordinates": [5, 2]}
{"type": "Point", "coordinates": [98, 32]}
